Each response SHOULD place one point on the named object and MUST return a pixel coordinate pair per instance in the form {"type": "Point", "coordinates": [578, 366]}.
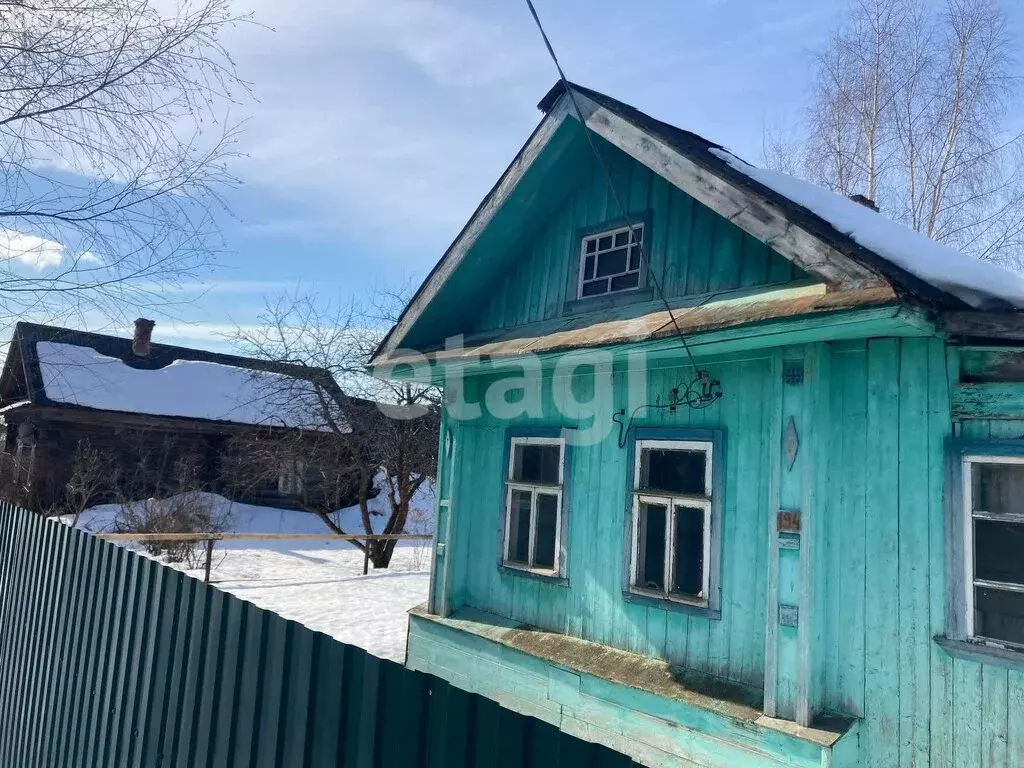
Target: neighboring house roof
{"type": "Point", "coordinates": [56, 367]}
{"type": "Point", "coordinates": [845, 245]}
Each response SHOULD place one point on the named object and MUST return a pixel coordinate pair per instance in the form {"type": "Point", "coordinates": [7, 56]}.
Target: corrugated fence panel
{"type": "Point", "coordinates": [108, 658]}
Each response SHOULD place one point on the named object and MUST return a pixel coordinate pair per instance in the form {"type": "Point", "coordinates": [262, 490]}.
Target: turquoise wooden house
{"type": "Point", "coordinates": [732, 468]}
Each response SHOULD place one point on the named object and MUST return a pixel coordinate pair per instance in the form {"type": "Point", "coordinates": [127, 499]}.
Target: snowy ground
{"type": "Point", "coordinates": [319, 583]}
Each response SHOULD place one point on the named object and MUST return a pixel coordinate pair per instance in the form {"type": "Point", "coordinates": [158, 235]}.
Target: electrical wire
{"type": "Point", "coordinates": [611, 185]}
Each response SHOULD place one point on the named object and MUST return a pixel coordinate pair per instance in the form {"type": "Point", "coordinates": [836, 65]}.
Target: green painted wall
{"type": "Point", "coordinates": [692, 250]}
{"type": "Point", "coordinates": [870, 476]}
{"type": "Point", "coordinates": [592, 605]}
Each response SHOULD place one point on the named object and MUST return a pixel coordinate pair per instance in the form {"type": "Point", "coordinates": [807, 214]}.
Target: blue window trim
{"type": "Point", "coordinates": [643, 292]}
{"type": "Point", "coordinates": [566, 433]}
{"type": "Point", "coordinates": [955, 641]}
{"type": "Point", "coordinates": [716, 437]}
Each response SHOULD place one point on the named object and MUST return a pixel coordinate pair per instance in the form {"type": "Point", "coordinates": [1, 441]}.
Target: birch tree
{"type": "Point", "coordinates": [114, 142]}
{"type": "Point", "coordinates": [909, 108]}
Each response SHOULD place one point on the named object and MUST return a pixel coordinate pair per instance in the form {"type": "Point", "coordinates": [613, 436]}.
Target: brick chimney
{"type": "Point", "coordinates": [867, 202]}
{"type": "Point", "coordinates": [142, 341]}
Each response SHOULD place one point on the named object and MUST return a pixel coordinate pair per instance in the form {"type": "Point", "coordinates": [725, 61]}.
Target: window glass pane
{"type": "Point", "coordinates": [688, 578]}
{"type": "Point", "coordinates": [998, 488]}
{"type": "Point", "coordinates": [651, 547]}
{"type": "Point", "coordinates": [605, 242]}
{"type": "Point", "coordinates": [675, 471]}
{"type": "Point", "coordinates": [638, 234]}
{"type": "Point", "coordinates": [621, 238]}
{"type": "Point", "coordinates": [999, 551]}
{"type": "Point", "coordinates": [591, 246]}
{"type": "Point", "coordinates": [519, 528]}
{"type": "Point", "coordinates": [595, 288]}
{"type": "Point", "coordinates": [999, 614]}
{"type": "Point", "coordinates": [588, 268]}
{"type": "Point", "coordinates": [625, 282]}
{"type": "Point", "coordinates": [611, 263]}
{"type": "Point", "coordinates": [536, 464]}
{"type": "Point", "coordinates": [544, 539]}
{"type": "Point", "coordinates": [634, 258]}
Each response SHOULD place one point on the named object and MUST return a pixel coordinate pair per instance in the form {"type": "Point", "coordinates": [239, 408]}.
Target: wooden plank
{"type": "Point", "coordinates": [985, 325]}
{"type": "Point", "coordinates": [996, 400]}
{"type": "Point", "coordinates": [881, 663]}
{"type": "Point", "coordinates": [262, 536]}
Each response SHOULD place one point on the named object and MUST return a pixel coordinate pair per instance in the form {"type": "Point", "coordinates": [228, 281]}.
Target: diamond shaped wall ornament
{"type": "Point", "coordinates": [791, 443]}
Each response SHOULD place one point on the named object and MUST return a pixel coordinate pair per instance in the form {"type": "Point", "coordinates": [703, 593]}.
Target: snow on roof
{"type": "Point", "coordinates": [975, 282]}
{"type": "Point", "coordinates": [193, 389]}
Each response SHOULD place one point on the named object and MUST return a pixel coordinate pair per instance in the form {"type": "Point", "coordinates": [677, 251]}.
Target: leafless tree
{"type": "Point", "coordinates": [114, 139]}
{"type": "Point", "coordinates": [350, 444]}
{"type": "Point", "coordinates": [91, 473]}
{"type": "Point", "coordinates": [908, 108]}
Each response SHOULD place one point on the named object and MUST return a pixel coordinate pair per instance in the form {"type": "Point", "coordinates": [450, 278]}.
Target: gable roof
{"type": "Point", "coordinates": [845, 245]}
{"type": "Point", "coordinates": [49, 366]}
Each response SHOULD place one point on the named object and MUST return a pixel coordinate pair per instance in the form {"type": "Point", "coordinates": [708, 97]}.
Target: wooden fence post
{"type": "Point", "coordinates": [366, 557]}
{"type": "Point", "coordinates": [209, 559]}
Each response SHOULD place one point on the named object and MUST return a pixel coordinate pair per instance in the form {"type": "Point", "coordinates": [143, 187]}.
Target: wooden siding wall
{"type": "Point", "coordinates": [692, 250]}
{"type": "Point", "coordinates": [592, 605]}
{"type": "Point", "coordinates": [886, 582]}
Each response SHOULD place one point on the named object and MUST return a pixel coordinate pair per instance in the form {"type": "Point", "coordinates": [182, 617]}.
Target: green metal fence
{"type": "Point", "coordinates": [109, 659]}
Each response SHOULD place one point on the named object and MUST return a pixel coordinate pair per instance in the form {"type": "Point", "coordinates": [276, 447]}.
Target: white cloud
{"type": "Point", "coordinates": [36, 252]}
{"type": "Point", "coordinates": [88, 257]}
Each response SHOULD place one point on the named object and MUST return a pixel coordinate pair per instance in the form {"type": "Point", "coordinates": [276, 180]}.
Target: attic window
{"type": "Point", "coordinates": [610, 261]}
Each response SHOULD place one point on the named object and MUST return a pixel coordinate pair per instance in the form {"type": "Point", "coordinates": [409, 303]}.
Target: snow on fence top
{"type": "Point", "coordinates": [191, 389]}
{"type": "Point", "coordinates": [975, 282]}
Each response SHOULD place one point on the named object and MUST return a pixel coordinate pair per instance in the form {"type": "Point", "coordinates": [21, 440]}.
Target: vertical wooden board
{"type": "Point", "coordinates": [701, 249]}
{"type": "Point", "coordinates": [913, 619]}
{"type": "Point", "coordinates": [882, 669]}
{"type": "Point", "coordinates": [780, 269]}
{"type": "Point", "coordinates": [598, 203]}
{"type": "Point", "coordinates": [852, 382]}
{"type": "Point", "coordinates": [620, 167]}
{"type": "Point", "coordinates": [678, 248]}
{"type": "Point", "coordinates": [994, 719]}
{"type": "Point", "coordinates": [967, 684]}
{"type": "Point", "coordinates": [661, 216]}
{"type": "Point", "coordinates": [941, 685]}
{"type": "Point", "coordinates": [727, 241]}
{"type": "Point", "coordinates": [657, 630]}
{"type": "Point", "coordinates": [1014, 718]}
{"type": "Point", "coordinates": [273, 696]}
{"type": "Point", "coordinates": [754, 259]}
{"type": "Point", "coordinates": [640, 179]}
{"type": "Point", "coordinates": [560, 256]}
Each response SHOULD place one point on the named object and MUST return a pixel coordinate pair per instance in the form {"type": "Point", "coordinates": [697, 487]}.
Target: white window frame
{"type": "Point", "coordinates": [533, 488]}
{"type": "Point", "coordinates": [671, 503]}
{"type": "Point", "coordinates": [970, 515]}
{"type": "Point", "coordinates": [612, 231]}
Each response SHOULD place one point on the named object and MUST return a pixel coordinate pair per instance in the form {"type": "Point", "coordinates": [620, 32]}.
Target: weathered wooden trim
{"type": "Point", "coordinates": [983, 325]}
{"type": "Point", "coordinates": [481, 219]}
{"type": "Point", "coordinates": [755, 215]}
{"type": "Point", "coordinates": [771, 635]}
{"type": "Point", "coordinates": [817, 418]}
{"type": "Point", "coordinates": [956, 602]}
{"type": "Point", "coordinates": [990, 655]}
{"type": "Point", "coordinates": [995, 400]}
{"type": "Point", "coordinates": [213, 536]}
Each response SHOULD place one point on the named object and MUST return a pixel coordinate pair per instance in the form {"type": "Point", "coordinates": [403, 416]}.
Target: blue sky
{"type": "Point", "coordinates": [380, 124]}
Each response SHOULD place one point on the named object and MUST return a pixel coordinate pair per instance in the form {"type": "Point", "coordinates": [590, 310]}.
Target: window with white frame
{"type": "Point", "coordinates": [533, 503]}
{"type": "Point", "coordinates": [994, 551]}
{"type": "Point", "coordinates": [671, 547]}
{"type": "Point", "coordinates": [610, 261]}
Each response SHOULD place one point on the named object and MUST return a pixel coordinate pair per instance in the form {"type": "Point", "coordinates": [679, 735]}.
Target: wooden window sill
{"type": "Point", "coordinates": [656, 600]}
{"type": "Point", "coordinates": [992, 655]}
{"type": "Point", "coordinates": [547, 577]}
